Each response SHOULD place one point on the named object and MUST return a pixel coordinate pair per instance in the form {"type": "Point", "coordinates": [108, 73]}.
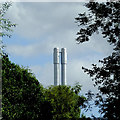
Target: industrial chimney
{"type": "Point", "coordinates": [63, 66]}
{"type": "Point", "coordinates": [57, 66]}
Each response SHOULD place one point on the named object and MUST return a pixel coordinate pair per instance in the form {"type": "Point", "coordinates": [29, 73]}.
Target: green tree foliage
{"type": "Point", "coordinates": [107, 78]}
{"type": "Point", "coordinates": [23, 98]}
{"type": "Point", "coordinates": [104, 17]}
{"type": "Point", "coordinates": [22, 95]}
{"type": "Point", "coordinates": [5, 29]}
{"type": "Point", "coordinates": [65, 102]}
{"type": "Point", "coordinates": [5, 24]}
{"type": "Point", "coordinates": [101, 16]}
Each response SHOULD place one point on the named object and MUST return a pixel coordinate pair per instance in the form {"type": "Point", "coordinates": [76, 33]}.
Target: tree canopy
{"type": "Point", "coordinates": [23, 97]}
{"type": "Point", "coordinates": [101, 16]}
{"type": "Point", "coordinates": [5, 28]}
{"type": "Point", "coordinates": [5, 24]}
{"type": "Point", "coordinates": [22, 94]}
{"type": "Point", "coordinates": [104, 17]}
{"type": "Point", "coordinates": [65, 102]}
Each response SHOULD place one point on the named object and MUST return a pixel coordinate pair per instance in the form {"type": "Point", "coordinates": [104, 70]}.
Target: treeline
{"type": "Point", "coordinates": [24, 98]}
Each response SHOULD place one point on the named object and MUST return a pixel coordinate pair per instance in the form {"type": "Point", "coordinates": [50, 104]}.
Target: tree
{"type": "Point", "coordinates": [22, 95]}
{"type": "Point", "coordinates": [65, 102]}
{"type": "Point", "coordinates": [5, 24]}
{"type": "Point", "coordinates": [104, 17]}
{"type": "Point", "coordinates": [5, 28]}
{"type": "Point", "coordinates": [23, 98]}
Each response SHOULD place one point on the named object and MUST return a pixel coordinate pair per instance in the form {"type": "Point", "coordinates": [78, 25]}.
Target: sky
{"type": "Point", "coordinates": [42, 26]}
{"type": "Point", "coordinates": [57, 0]}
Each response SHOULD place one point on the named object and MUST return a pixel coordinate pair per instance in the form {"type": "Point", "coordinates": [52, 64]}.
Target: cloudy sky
{"type": "Point", "coordinates": [56, 0]}
{"type": "Point", "coordinates": [43, 26]}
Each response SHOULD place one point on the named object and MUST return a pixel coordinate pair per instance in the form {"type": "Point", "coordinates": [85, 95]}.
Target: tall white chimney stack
{"type": "Point", "coordinates": [63, 66]}
{"type": "Point", "coordinates": [56, 66]}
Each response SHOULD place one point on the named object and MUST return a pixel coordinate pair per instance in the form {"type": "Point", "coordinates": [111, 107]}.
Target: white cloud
{"type": "Point", "coordinates": [95, 49]}
{"type": "Point", "coordinates": [50, 25]}
{"type": "Point", "coordinates": [39, 19]}
{"type": "Point", "coordinates": [44, 74]}
{"type": "Point", "coordinates": [76, 74]}
{"type": "Point", "coordinates": [30, 50]}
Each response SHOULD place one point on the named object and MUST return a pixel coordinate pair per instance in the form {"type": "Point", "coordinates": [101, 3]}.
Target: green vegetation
{"type": "Point", "coordinates": [65, 103]}
{"type": "Point", "coordinates": [5, 24]}
{"type": "Point", "coordinates": [22, 95]}
{"type": "Point", "coordinates": [5, 29]}
{"type": "Point", "coordinates": [24, 98]}
{"type": "Point", "coordinates": [104, 17]}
